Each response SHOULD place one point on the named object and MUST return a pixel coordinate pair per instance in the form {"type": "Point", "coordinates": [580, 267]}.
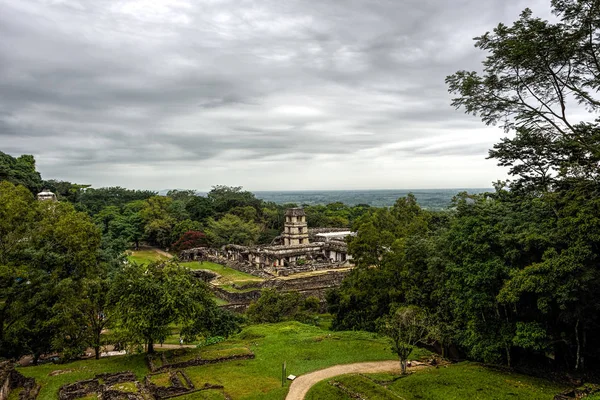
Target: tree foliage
{"type": "Point", "coordinates": [274, 306]}
{"type": "Point", "coordinates": [20, 171]}
{"type": "Point", "coordinates": [149, 298]}
{"type": "Point", "coordinates": [512, 274]}
{"type": "Point", "coordinates": [405, 327]}
{"type": "Point", "coordinates": [231, 229]}
{"type": "Point", "coordinates": [536, 78]}
{"type": "Point", "coordinates": [46, 250]}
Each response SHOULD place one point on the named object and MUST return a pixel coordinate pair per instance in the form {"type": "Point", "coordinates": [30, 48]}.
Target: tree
{"type": "Point", "coordinates": [273, 306]}
{"type": "Point", "coordinates": [200, 209]}
{"type": "Point", "coordinates": [94, 311]}
{"type": "Point", "coordinates": [45, 250]}
{"type": "Point", "coordinates": [64, 190]}
{"type": "Point", "coordinates": [149, 298]}
{"type": "Point", "coordinates": [190, 240]}
{"type": "Point", "coordinates": [536, 71]}
{"type": "Point", "coordinates": [542, 270]}
{"type": "Point", "coordinates": [231, 229]}
{"type": "Point", "coordinates": [93, 200]}
{"type": "Point", "coordinates": [158, 221]}
{"type": "Point", "coordinates": [20, 171]}
{"type": "Point", "coordinates": [224, 198]}
{"type": "Point", "coordinates": [405, 327]}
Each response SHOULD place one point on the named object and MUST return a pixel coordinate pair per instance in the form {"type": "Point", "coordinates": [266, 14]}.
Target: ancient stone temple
{"type": "Point", "coordinates": [300, 249]}
{"type": "Point", "coordinates": [295, 230]}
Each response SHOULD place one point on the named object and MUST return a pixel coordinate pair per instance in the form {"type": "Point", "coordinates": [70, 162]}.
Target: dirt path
{"type": "Point", "coordinates": [161, 252]}
{"type": "Point", "coordinates": [301, 385]}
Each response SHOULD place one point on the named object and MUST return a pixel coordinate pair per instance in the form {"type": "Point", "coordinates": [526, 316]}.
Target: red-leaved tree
{"type": "Point", "coordinates": [189, 240]}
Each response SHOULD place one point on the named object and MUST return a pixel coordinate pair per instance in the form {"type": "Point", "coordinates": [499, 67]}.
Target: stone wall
{"type": "Point", "coordinates": [326, 280]}
{"type": "Point", "coordinates": [5, 370]}
{"type": "Point", "coordinates": [102, 384]}
{"type": "Point", "coordinates": [193, 362]}
{"type": "Point", "coordinates": [296, 269]}
{"type": "Point", "coordinates": [313, 285]}
{"type": "Point", "coordinates": [10, 379]}
{"type": "Point", "coordinates": [236, 297]}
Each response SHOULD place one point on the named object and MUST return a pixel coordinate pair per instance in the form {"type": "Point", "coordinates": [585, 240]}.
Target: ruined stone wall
{"type": "Point", "coordinates": [214, 255]}
{"type": "Point", "coordinates": [296, 269]}
{"type": "Point", "coordinates": [11, 379]}
{"type": "Point", "coordinates": [236, 297]}
{"type": "Point", "coordinates": [204, 274]}
{"type": "Point", "coordinates": [314, 285]}
{"type": "Point", "coordinates": [5, 369]}
{"type": "Point", "coordinates": [328, 280]}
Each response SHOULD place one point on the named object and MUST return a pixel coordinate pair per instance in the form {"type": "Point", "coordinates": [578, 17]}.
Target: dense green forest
{"type": "Point", "coordinates": [510, 277]}
{"type": "Point", "coordinates": [61, 264]}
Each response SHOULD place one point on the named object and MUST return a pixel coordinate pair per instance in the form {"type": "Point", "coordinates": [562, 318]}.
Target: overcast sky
{"type": "Point", "coordinates": [269, 95]}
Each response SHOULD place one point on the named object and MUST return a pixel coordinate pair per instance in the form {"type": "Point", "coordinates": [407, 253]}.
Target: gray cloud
{"type": "Point", "coordinates": [185, 93]}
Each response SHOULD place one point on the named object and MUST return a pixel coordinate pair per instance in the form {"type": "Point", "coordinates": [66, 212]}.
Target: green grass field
{"type": "Point", "coordinates": [228, 275]}
{"type": "Point", "coordinates": [304, 348]}
{"type": "Point", "coordinates": [146, 256]}
{"type": "Point", "coordinates": [460, 381]}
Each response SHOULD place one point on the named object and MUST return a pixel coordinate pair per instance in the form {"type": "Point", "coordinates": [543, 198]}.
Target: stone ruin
{"type": "Point", "coordinates": [308, 286]}
{"type": "Point", "coordinates": [106, 387]}
{"type": "Point", "coordinates": [179, 385]}
{"type": "Point", "coordinates": [11, 380]}
{"type": "Point", "coordinates": [165, 365]}
{"type": "Point", "coordinates": [302, 250]}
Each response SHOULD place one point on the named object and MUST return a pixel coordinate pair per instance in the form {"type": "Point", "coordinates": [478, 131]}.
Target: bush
{"type": "Point", "coordinates": [273, 306]}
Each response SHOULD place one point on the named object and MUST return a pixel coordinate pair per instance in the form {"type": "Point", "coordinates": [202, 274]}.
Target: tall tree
{"type": "Point", "coordinates": [231, 229]}
{"type": "Point", "coordinates": [537, 77]}
{"type": "Point", "coordinates": [149, 298]}
{"type": "Point", "coordinates": [20, 171]}
{"type": "Point", "coordinates": [45, 250]}
{"type": "Point", "coordinates": [536, 74]}
{"type": "Point", "coordinates": [405, 327]}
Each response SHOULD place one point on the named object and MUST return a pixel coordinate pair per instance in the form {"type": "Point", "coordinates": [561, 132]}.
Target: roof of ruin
{"type": "Point", "coordinates": [295, 212]}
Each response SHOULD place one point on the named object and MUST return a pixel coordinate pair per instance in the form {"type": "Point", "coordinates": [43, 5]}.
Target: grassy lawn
{"type": "Point", "coordinates": [212, 394]}
{"type": "Point", "coordinates": [145, 256]}
{"type": "Point", "coordinates": [304, 348]}
{"type": "Point", "coordinates": [80, 370]}
{"type": "Point", "coordinates": [128, 387]}
{"type": "Point", "coordinates": [459, 381]}
{"type": "Point", "coordinates": [307, 348]}
{"type": "Point", "coordinates": [228, 275]}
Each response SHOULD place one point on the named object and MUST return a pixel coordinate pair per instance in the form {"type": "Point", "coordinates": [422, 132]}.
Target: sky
{"type": "Point", "coordinates": [268, 95]}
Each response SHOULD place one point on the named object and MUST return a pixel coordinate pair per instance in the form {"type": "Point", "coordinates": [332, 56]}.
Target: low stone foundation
{"type": "Point", "coordinates": [193, 363]}
{"type": "Point", "coordinates": [314, 285]}
{"type": "Point", "coordinates": [103, 386]}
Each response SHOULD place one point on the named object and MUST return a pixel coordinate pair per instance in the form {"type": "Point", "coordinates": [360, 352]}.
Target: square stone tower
{"type": "Point", "coordinates": [295, 230]}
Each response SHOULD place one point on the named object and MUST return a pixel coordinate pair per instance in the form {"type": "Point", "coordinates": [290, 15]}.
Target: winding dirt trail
{"type": "Point", "coordinates": [301, 385]}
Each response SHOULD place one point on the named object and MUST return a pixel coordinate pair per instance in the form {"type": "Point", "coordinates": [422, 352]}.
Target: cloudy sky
{"type": "Point", "coordinates": [269, 95]}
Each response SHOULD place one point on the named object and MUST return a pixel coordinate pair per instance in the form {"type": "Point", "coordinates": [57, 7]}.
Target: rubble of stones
{"type": "Point", "coordinates": [314, 285]}
{"type": "Point", "coordinates": [106, 386]}
{"type": "Point", "coordinates": [180, 384]}
{"type": "Point", "coordinates": [11, 380]}
{"type": "Point", "coordinates": [103, 385]}
{"type": "Point", "coordinates": [578, 393]}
